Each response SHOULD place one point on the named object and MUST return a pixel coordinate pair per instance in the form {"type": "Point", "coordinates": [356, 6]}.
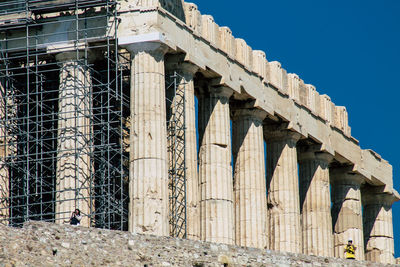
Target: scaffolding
{"type": "Point", "coordinates": [63, 143]}
{"type": "Point", "coordinates": [65, 117]}
{"type": "Point", "coordinates": [176, 130]}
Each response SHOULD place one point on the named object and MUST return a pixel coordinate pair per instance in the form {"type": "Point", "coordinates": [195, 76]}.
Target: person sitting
{"type": "Point", "coordinates": [75, 217]}
{"type": "Point", "coordinates": [350, 250]}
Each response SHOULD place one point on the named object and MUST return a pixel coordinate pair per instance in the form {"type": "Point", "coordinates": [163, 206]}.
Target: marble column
{"type": "Point", "coordinates": [378, 227]}
{"type": "Point", "coordinates": [8, 147]}
{"type": "Point", "coordinates": [283, 190]}
{"type": "Point", "coordinates": [185, 87]}
{"type": "Point", "coordinates": [346, 211]}
{"type": "Point", "coordinates": [148, 171]}
{"type": "Point", "coordinates": [215, 171]}
{"type": "Point", "coordinates": [4, 189]}
{"type": "Point", "coordinates": [249, 178]}
{"type": "Point", "coordinates": [315, 201]}
{"type": "Point", "coordinates": [4, 172]}
{"type": "Point", "coordinates": [74, 164]}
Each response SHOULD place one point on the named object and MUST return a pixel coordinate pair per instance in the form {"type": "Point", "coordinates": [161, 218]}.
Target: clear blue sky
{"type": "Point", "coordinates": [348, 49]}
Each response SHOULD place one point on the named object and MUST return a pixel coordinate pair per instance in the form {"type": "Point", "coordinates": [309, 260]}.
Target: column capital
{"type": "Point", "coordinates": [156, 49]}
{"type": "Point", "coordinates": [254, 113]}
{"type": "Point", "coordinates": [187, 68]}
{"type": "Point", "coordinates": [221, 91]}
{"type": "Point", "coordinates": [345, 175]}
{"type": "Point", "coordinates": [178, 63]}
{"type": "Point", "coordinates": [314, 152]}
{"type": "Point", "coordinates": [371, 197]}
{"type": "Point", "coordinates": [280, 132]}
{"type": "Point", "coordinates": [71, 55]}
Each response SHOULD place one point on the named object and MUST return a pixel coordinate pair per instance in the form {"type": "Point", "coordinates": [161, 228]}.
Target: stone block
{"type": "Point", "coordinates": [193, 17]}
{"type": "Point", "coordinates": [317, 103]}
{"type": "Point", "coordinates": [303, 93]}
{"type": "Point", "coordinates": [341, 119]}
{"type": "Point", "coordinates": [284, 88]}
{"type": "Point", "coordinates": [210, 30]}
{"type": "Point", "coordinates": [294, 86]}
{"type": "Point", "coordinates": [310, 100]}
{"type": "Point", "coordinates": [227, 41]}
{"type": "Point", "coordinates": [326, 108]}
{"type": "Point", "coordinates": [260, 63]}
{"type": "Point", "coordinates": [244, 53]}
{"type": "Point", "coordinates": [277, 76]}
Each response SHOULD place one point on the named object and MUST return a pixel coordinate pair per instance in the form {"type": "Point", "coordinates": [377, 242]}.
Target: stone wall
{"type": "Point", "coordinates": [46, 244]}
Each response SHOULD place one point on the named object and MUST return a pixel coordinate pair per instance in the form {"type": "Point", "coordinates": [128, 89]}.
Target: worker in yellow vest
{"type": "Point", "coordinates": [350, 250]}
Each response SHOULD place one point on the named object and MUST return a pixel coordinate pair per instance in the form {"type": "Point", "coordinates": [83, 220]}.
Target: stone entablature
{"type": "Point", "coordinates": [272, 72]}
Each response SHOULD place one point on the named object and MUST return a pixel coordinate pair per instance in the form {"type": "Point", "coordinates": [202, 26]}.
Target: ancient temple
{"type": "Point", "coordinates": [101, 105]}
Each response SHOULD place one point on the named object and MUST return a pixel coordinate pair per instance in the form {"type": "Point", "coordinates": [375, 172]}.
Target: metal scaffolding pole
{"type": "Point", "coordinates": [176, 129]}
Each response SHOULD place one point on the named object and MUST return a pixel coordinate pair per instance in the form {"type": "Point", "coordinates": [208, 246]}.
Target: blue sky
{"type": "Point", "coordinates": [348, 49]}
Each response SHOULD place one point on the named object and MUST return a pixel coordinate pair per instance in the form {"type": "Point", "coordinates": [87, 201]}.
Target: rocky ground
{"type": "Point", "coordinates": [46, 244]}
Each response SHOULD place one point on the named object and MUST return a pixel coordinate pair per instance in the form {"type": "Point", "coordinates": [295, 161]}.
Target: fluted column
{"type": "Point", "coordinates": [249, 178]}
{"type": "Point", "coordinates": [315, 201]}
{"type": "Point", "coordinates": [148, 172]}
{"type": "Point", "coordinates": [4, 174]}
{"type": "Point", "coordinates": [216, 183]}
{"type": "Point", "coordinates": [74, 164]}
{"type": "Point", "coordinates": [8, 148]}
{"type": "Point", "coordinates": [4, 178]}
{"type": "Point", "coordinates": [185, 87]}
{"type": "Point", "coordinates": [4, 189]}
{"type": "Point", "coordinates": [346, 211]}
{"type": "Point", "coordinates": [378, 226]}
{"type": "Point", "coordinates": [283, 190]}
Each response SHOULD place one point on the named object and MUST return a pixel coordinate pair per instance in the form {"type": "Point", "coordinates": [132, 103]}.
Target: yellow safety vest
{"type": "Point", "coordinates": [350, 252]}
